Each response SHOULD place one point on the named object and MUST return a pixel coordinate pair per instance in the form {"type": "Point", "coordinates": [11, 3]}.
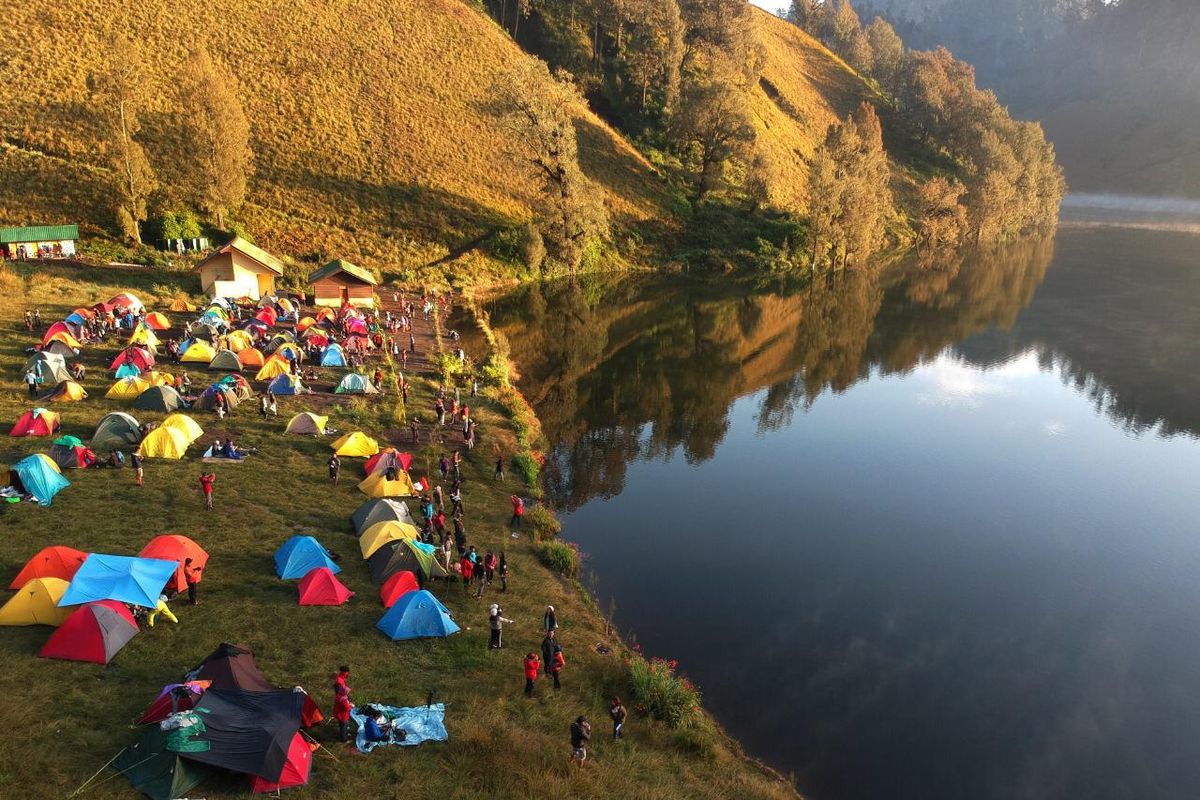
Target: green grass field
{"type": "Point", "coordinates": [65, 720]}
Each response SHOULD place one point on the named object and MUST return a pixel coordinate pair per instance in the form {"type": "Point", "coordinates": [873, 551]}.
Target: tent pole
{"type": "Point", "coordinates": [97, 772]}
{"type": "Point", "coordinates": [320, 746]}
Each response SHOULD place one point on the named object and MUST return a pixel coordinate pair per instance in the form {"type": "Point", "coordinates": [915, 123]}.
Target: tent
{"type": "Point", "coordinates": [127, 389]}
{"type": "Point", "coordinates": [94, 632]}
{"type": "Point", "coordinates": [249, 731]}
{"type": "Point", "coordinates": [384, 459]}
{"type": "Point", "coordinates": [239, 384]}
{"type": "Point", "coordinates": [38, 422]}
{"type": "Point", "coordinates": [70, 453]}
{"type": "Point", "coordinates": [273, 368]}
{"type": "Point", "coordinates": [64, 337]}
{"type": "Point", "coordinates": [299, 555]}
{"type": "Point", "coordinates": [57, 348]}
{"type": "Point", "coordinates": [354, 383]}
{"type": "Point", "coordinates": [160, 398]}
{"type": "Point", "coordinates": [296, 768]}
{"type": "Point", "coordinates": [139, 357]}
{"type": "Point", "coordinates": [355, 445]}
{"type": "Point", "coordinates": [157, 321]}
{"type": "Point", "coordinates": [144, 337]}
{"type": "Point", "coordinates": [250, 357]}
{"type": "Point", "coordinates": [417, 615]}
{"type": "Point", "coordinates": [185, 425]}
{"type": "Point", "coordinates": [55, 561]}
{"type": "Point", "coordinates": [307, 423]}
{"type": "Point", "coordinates": [333, 356]}
{"type": "Point", "coordinates": [206, 330]}
{"type": "Point", "coordinates": [381, 533]}
{"type": "Point", "coordinates": [66, 392]}
{"type": "Point", "coordinates": [127, 370]}
{"type": "Point", "coordinates": [157, 771]}
{"type": "Point", "coordinates": [36, 603]}
{"type": "Point", "coordinates": [381, 510]}
{"type": "Point", "coordinates": [155, 378]}
{"type": "Point", "coordinates": [197, 351]}
{"type": "Point", "coordinates": [232, 666]}
{"type": "Point", "coordinates": [62, 332]}
{"type": "Point", "coordinates": [52, 366]}
{"type": "Point", "coordinates": [238, 341]}
{"type": "Point", "coordinates": [208, 398]}
{"type": "Point", "coordinates": [286, 385]}
{"type": "Point", "coordinates": [267, 315]}
{"type": "Point", "coordinates": [290, 351]}
{"type": "Point", "coordinates": [407, 555]}
{"type": "Point", "coordinates": [178, 548]}
{"type": "Point", "coordinates": [305, 323]}
{"type": "Point", "coordinates": [396, 586]}
{"type": "Point", "coordinates": [174, 697]}
{"type": "Point", "coordinates": [164, 442]}
{"type": "Point", "coordinates": [320, 587]}
{"type": "Point", "coordinates": [131, 580]}
{"type": "Point", "coordinates": [226, 360]}
{"type": "Point", "coordinates": [129, 301]}
{"type": "Point", "coordinates": [115, 431]}
{"type": "Point", "coordinates": [378, 485]}
{"type": "Point", "coordinates": [39, 476]}
{"type": "Point", "coordinates": [179, 304]}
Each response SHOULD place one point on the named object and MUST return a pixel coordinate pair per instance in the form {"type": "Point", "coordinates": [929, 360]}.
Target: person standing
{"type": "Point", "coordinates": [549, 620]}
{"type": "Point", "coordinates": [31, 381]}
{"type": "Point", "coordinates": [518, 511]}
{"type": "Point", "coordinates": [335, 468]}
{"type": "Point", "coordinates": [191, 576]}
{"type": "Point", "coordinates": [548, 644]}
{"type": "Point", "coordinates": [341, 702]}
{"type": "Point", "coordinates": [207, 479]}
{"type": "Point", "coordinates": [467, 567]}
{"type": "Point", "coordinates": [137, 467]}
{"type": "Point", "coordinates": [499, 469]}
{"type": "Point", "coordinates": [502, 571]}
{"type": "Point", "coordinates": [581, 733]}
{"type": "Point", "coordinates": [456, 499]}
{"type": "Point", "coordinates": [558, 661]}
{"type": "Point", "coordinates": [496, 622]}
{"type": "Point", "coordinates": [532, 667]}
{"type": "Point", "coordinates": [618, 713]}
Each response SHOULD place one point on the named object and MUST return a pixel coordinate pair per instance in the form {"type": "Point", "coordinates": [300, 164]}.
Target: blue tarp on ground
{"type": "Point", "coordinates": [417, 615]}
{"type": "Point", "coordinates": [421, 724]}
{"type": "Point", "coordinates": [39, 478]}
{"type": "Point", "coordinates": [130, 580]}
{"type": "Point", "coordinates": [300, 554]}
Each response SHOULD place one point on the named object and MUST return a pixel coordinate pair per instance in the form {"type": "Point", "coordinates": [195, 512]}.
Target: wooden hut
{"type": "Point", "coordinates": [340, 282]}
{"type": "Point", "coordinates": [38, 241]}
{"type": "Point", "coordinates": [239, 269]}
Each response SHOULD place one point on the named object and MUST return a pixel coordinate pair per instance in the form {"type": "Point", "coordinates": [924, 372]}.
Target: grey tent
{"type": "Point", "coordinates": [116, 431]}
{"type": "Point", "coordinates": [160, 398]}
{"type": "Point", "coordinates": [204, 331]}
{"type": "Point", "coordinates": [60, 349]}
{"type": "Point", "coordinates": [208, 400]}
{"type": "Point", "coordinates": [53, 367]}
{"type": "Point", "coordinates": [403, 555]}
{"type": "Point", "coordinates": [226, 360]}
{"type": "Point", "coordinates": [382, 510]}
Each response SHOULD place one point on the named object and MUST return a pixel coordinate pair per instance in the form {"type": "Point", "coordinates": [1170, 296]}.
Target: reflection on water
{"type": "Point", "coordinates": [924, 534]}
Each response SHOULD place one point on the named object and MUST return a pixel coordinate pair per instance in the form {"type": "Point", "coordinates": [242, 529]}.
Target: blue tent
{"type": "Point", "coordinates": [333, 356]}
{"type": "Point", "coordinates": [417, 615]}
{"type": "Point", "coordinates": [301, 554]}
{"type": "Point", "coordinates": [285, 384]}
{"type": "Point", "coordinates": [127, 370]}
{"type": "Point", "coordinates": [38, 475]}
{"type": "Point", "coordinates": [354, 383]}
{"type": "Point", "coordinates": [74, 319]}
{"type": "Point", "coordinates": [129, 580]}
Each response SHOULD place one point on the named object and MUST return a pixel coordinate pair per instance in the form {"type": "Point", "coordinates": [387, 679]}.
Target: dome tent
{"type": "Point", "coordinates": [55, 561]}
{"type": "Point", "coordinates": [355, 445]}
{"type": "Point", "coordinates": [307, 423]}
{"type": "Point", "coordinates": [226, 360]}
{"type": "Point", "coordinates": [138, 357]}
{"type": "Point", "coordinates": [378, 485]}
{"type": "Point", "coordinates": [178, 548]}
{"type": "Point", "coordinates": [186, 425]}
{"type": "Point", "coordinates": [196, 351]}
{"type": "Point", "coordinates": [354, 383]}
{"type": "Point", "coordinates": [37, 422]}
{"type": "Point", "coordinates": [320, 587]}
{"type": "Point", "coordinates": [127, 389]}
{"type": "Point", "coordinates": [94, 632]}
{"type": "Point", "coordinates": [273, 367]}
{"type": "Point", "coordinates": [250, 357]}
{"type": "Point", "coordinates": [416, 557]}
{"type": "Point", "coordinates": [286, 385]}
{"type": "Point", "coordinates": [417, 615]}
{"type": "Point", "coordinates": [127, 370]}
{"type": "Point", "coordinates": [37, 475]}
{"type": "Point", "coordinates": [36, 603]}
{"type": "Point", "coordinates": [115, 431]}
{"type": "Point", "coordinates": [381, 533]}
{"type": "Point", "coordinates": [399, 584]}
{"type": "Point", "coordinates": [53, 367]}
{"type": "Point", "coordinates": [160, 398]}
{"type": "Point", "coordinates": [381, 510]}
{"type": "Point", "coordinates": [333, 356]}
{"type": "Point", "coordinates": [208, 399]}
{"type": "Point", "coordinates": [164, 442]}
{"type": "Point", "coordinates": [301, 554]}
{"type": "Point", "coordinates": [66, 392]}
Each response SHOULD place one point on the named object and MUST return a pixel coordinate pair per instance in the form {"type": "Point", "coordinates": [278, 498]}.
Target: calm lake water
{"type": "Point", "coordinates": [925, 534]}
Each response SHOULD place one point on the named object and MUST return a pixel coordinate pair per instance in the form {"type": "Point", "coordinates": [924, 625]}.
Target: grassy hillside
{"type": "Point", "coordinates": [369, 120]}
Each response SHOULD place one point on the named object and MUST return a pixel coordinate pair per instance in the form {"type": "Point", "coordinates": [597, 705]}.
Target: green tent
{"type": "Point", "coordinates": [69, 441]}
{"type": "Point", "coordinates": [155, 770]}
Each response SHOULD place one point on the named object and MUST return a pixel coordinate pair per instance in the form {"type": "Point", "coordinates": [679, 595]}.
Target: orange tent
{"type": "Point", "coordinates": [178, 548]}
{"type": "Point", "coordinates": [251, 357]}
{"type": "Point", "coordinates": [157, 321]}
{"type": "Point", "coordinates": [50, 562]}
{"type": "Point", "coordinates": [38, 422]}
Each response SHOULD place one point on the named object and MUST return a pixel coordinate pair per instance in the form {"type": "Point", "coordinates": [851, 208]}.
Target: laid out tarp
{"type": "Point", "coordinates": [296, 557]}
{"type": "Point", "coordinates": [36, 603]}
{"type": "Point", "coordinates": [130, 580]}
{"type": "Point", "coordinates": [249, 732]}
{"type": "Point", "coordinates": [94, 632]}
{"type": "Point", "coordinates": [420, 724]}
{"type": "Point", "coordinates": [307, 423]}
{"type": "Point", "coordinates": [355, 445]}
{"type": "Point", "coordinates": [116, 431]}
{"type": "Point", "coordinates": [38, 476]}
{"type": "Point", "coordinates": [155, 770]}
{"type": "Point", "coordinates": [55, 561]}
{"type": "Point", "coordinates": [381, 510]}
{"type": "Point", "coordinates": [417, 615]}
{"type": "Point", "coordinates": [320, 587]}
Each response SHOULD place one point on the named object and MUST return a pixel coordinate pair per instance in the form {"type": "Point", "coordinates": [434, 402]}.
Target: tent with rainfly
{"type": "Point", "coordinates": [249, 731]}
{"type": "Point", "coordinates": [36, 603]}
{"type": "Point", "coordinates": [381, 510]}
{"type": "Point", "coordinates": [157, 771]}
{"type": "Point", "coordinates": [178, 548]}
{"type": "Point", "coordinates": [139, 357]}
{"type": "Point", "coordinates": [55, 561]}
{"type": "Point", "coordinates": [157, 321]}
{"type": "Point", "coordinates": [52, 366]}
{"type": "Point", "coordinates": [208, 398]}
{"type": "Point", "coordinates": [285, 385]}
{"type": "Point", "coordinates": [37, 422]}
{"type": "Point", "coordinates": [354, 383]}
{"type": "Point", "coordinates": [160, 398]}
{"type": "Point", "coordinates": [38, 476]}
{"type": "Point", "coordinates": [333, 356]}
{"type": "Point", "coordinates": [127, 370]}
{"type": "Point", "coordinates": [251, 357]}
{"type": "Point", "coordinates": [418, 615]}
{"type": "Point", "coordinates": [164, 442]}
{"type": "Point", "coordinates": [307, 423]}
{"type": "Point", "coordinates": [68, 452]}
{"type": "Point", "coordinates": [196, 351]}
{"type": "Point", "coordinates": [415, 557]}
{"type": "Point", "coordinates": [127, 389]}
{"type": "Point", "coordinates": [355, 445]}
{"type": "Point", "coordinates": [116, 430]}
{"type": "Point", "coordinates": [94, 632]}
{"type": "Point", "coordinates": [226, 360]}
{"type": "Point", "coordinates": [185, 425]}
{"type": "Point", "coordinates": [273, 367]}
{"type": "Point", "coordinates": [378, 485]}
{"type": "Point", "coordinates": [381, 533]}
{"type": "Point", "coordinates": [320, 587]}
{"type": "Point", "coordinates": [396, 586]}
{"type": "Point", "coordinates": [296, 557]}
{"type": "Point", "coordinates": [130, 580]}
{"type": "Point", "coordinates": [66, 392]}
{"type": "Point", "coordinates": [295, 772]}
{"type": "Point", "coordinates": [387, 457]}
{"type": "Point", "coordinates": [174, 697]}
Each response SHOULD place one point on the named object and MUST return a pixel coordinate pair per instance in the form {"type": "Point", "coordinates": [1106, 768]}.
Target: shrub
{"type": "Point", "coordinates": [525, 465]}
{"type": "Point", "coordinates": [533, 247]}
{"type": "Point", "coordinates": [447, 365]}
{"type": "Point", "coordinates": [495, 371]}
{"type": "Point", "coordinates": [665, 695]}
{"type": "Point", "coordinates": [543, 524]}
{"type": "Point", "coordinates": [189, 226]}
{"type": "Point", "coordinates": [560, 556]}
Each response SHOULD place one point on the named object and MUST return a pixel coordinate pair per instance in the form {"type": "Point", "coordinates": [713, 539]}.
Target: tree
{"type": "Point", "coordinates": [540, 108]}
{"type": "Point", "coordinates": [844, 24]}
{"type": "Point", "coordinates": [119, 97]}
{"type": "Point", "coordinates": [712, 127]}
{"type": "Point", "coordinates": [942, 218]}
{"type": "Point", "coordinates": [218, 135]}
{"type": "Point", "coordinates": [887, 50]}
{"type": "Point", "coordinates": [655, 50]}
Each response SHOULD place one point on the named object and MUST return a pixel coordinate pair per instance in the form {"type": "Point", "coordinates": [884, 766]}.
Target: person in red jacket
{"type": "Point", "coordinates": [557, 663]}
{"type": "Point", "coordinates": [341, 702]}
{"type": "Point", "coordinates": [518, 511]}
{"type": "Point", "coordinates": [466, 566]}
{"type": "Point", "coordinates": [207, 479]}
{"type": "Point", "coordinates": [532, 666]}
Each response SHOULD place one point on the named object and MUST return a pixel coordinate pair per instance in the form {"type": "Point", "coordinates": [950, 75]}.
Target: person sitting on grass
{"type": "Point", "coordinates": [376, 728]}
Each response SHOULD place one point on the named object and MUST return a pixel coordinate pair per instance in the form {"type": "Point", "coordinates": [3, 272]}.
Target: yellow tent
{"type": "Point", "coordinates": [378, 485]}
{"type": "Point", "coordinates": [305, 323]}
{"type": "Point", "coordinates": [185, 425]}
{"type": "Point", "coordinates": [284, 349]}
{"type": "Point", "coordinates": [181, 305]}
{"type": "Point", "coordinates": [127, 388]}
{"type": "Point", "coordinates": [68, 391]}
{"type": "Point", "coordinates": [307, 423]}
{"type": "Point", "coordinates": [164, 442]}
{"type": "Point", "coordinates": [49, 462]}
{"type": "Point", "coordinates": [285, 305]}
{"type": "Point", "coordinates": [381, 533]}
{"type": "Point", "coordinates": [356, 445]}
{"type": "Point", "coordinates": [155, 378]}
{"type": "Point", "coordinates": [37, 604]}
{"type": "Point", "coordinates": [145, 337]}
{"type": "Point", "coordinates": [198, 352]}
{"type": "Point", "coordinates": [274, 367]}
{"type": "Point", "coordinates": [65, 338]}
{"type": "Point", "coordinates": [239, 341]}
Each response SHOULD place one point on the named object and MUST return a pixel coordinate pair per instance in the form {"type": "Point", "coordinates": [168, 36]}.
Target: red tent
{"type": "Point", "coordinates": [267, 315]}
{"type": "Point", "coordinates": [140, 357]}
{"type": "Point", "coordinates": [38, 422]}
{"type": "Point", "coordinates": [320, 587]}
{"type": "Point", "coordinates": [295, 769]}
{"type": "Point", "coordinates": [50, 562]}
{"type": "Point", "coordinates": [398, 585]}
{"type": "Point", "coordinates": [404, 459]}
{"type": "Point", "coordinates": [179, 548]}
{"type": "Point", "coordinates": [60, 327]}
{"type": "Point", "coordinates": [177, 697]}
{"type": "Point", "coordinates": [94, 632]}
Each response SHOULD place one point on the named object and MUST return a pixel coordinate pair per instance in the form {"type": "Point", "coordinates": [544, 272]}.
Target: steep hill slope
{"type": "Point", "coordinates": [369, 120]}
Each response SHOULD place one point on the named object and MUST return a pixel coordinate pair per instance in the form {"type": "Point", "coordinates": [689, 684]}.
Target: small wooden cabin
{"type": "Point", "coordinates": [239, 269]}
{"type": "Point", "coordinates": [38, 241]}
{"type": "Point", "coordinates": [340, 282]}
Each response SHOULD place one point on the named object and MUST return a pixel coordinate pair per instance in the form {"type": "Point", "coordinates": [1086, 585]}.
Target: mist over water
{"type": "Point", "coordinates": [1179, 214]}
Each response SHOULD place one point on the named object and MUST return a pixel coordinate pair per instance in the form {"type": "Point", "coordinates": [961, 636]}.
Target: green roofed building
{"type": "Point", "coordinates": [38, 241]}
{"type": "Point", "coordinates": [339, 283]}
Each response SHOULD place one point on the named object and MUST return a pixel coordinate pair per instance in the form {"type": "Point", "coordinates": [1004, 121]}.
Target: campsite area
{"type": "Point", "coordinates": [66, 720]}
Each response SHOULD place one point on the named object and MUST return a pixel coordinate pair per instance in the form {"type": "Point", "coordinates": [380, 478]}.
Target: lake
{"type": "Point", "coordinates": [926, 533]}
